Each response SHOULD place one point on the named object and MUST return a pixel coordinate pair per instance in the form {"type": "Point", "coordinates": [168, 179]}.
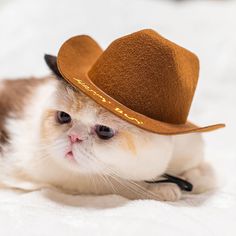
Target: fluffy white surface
{"type": "Point", "coordinates": [30, 28]}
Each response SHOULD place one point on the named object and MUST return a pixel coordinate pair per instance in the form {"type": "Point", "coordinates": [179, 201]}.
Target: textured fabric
{"type": "Point", "coordinates": [148, 74]}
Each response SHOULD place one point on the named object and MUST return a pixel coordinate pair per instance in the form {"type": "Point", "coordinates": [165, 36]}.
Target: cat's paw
{"type": "Point", "coordinates": [202, 178]}
{"type": "Point", "coordinates": [165, 191]}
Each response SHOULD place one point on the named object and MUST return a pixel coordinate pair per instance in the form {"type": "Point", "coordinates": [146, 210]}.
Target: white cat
{"type": "Point", "coordinates": [52, 135]}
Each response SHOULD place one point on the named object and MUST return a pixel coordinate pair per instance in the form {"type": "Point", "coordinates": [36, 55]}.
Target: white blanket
{"type": "Point", "coordinates": [30, 28]}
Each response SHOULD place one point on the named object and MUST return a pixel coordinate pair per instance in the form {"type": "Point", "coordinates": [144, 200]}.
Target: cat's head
{"type": "Point", "coordinates": [84, 137]}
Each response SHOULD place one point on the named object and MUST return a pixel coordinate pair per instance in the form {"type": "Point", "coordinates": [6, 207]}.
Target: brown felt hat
{"type": "Point", "coordinates": [142, 78]}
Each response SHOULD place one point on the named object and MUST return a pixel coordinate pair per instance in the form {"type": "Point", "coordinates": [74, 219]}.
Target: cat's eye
{"type": "Point", "coordinates": [63, 117]}
{"type": "Point", "coordinates": [104, 132]}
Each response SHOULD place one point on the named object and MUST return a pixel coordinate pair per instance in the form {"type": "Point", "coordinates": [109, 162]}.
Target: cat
{"type": "Point", "coordinates": [52, 135]}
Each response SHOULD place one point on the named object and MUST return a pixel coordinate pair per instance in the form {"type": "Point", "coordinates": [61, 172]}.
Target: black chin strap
{"type": "Point", "coordinates": [183, 184]}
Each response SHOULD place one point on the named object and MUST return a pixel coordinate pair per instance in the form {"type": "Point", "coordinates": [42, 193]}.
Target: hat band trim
{"type": "Point", "coordinates": [117, 109]}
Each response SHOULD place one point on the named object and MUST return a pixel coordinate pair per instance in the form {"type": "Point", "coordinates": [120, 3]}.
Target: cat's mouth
{"type": "Point", "coordinates": [70, 156]}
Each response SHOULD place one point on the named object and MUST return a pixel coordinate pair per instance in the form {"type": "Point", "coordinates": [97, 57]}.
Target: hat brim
{"type": "Point", "coordinates": [75, 58]}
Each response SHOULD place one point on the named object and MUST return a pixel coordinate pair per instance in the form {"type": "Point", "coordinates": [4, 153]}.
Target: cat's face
{"type": "Point", "coordinates": [82, 136]}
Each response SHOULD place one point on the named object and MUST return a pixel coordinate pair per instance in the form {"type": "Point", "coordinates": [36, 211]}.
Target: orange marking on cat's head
{"type": "Point", "coordinates": [128, 142]}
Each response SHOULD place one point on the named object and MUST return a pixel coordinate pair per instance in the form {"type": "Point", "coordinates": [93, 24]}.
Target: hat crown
{"type": "Point", "coordinates": [148, 74]}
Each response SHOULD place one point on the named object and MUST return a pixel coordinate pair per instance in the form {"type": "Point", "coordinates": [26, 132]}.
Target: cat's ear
{"type": "Point", "coordinates": [51, 61]}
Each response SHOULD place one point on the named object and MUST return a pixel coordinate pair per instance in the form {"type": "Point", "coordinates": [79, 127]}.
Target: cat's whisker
{"type": "Point", "coordinates": [129, 184]}
{"type": "Point", "coordinates": [136, 186]}
{"type": "Point", "coordinates": [104, 177]}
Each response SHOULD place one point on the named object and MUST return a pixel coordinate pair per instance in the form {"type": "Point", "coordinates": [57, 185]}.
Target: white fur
{"type": "Point", "coordinates": [101, 166]}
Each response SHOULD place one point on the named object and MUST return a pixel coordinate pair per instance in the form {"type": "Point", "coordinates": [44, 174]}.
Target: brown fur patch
{"type": "Point", "coordinates": [14, 95]}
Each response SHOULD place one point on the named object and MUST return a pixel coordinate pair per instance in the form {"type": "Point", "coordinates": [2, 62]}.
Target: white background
{"type": "Point", "coordinates": [30, 28]}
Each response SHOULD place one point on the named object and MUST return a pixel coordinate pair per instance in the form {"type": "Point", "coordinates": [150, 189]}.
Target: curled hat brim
{"type": "Point", "coordinates": [76, 57]}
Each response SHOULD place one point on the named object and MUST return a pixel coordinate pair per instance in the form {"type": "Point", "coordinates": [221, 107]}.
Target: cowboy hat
{"type": "Point", "coordinates": [142, 78]}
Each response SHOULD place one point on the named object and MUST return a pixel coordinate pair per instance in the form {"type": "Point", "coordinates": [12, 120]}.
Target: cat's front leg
{"type": "Point", "coordinates": [166, 191]}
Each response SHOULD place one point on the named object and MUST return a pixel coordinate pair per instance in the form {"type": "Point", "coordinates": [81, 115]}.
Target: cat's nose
{"type": "Point", "coordinates": [75, 138]}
